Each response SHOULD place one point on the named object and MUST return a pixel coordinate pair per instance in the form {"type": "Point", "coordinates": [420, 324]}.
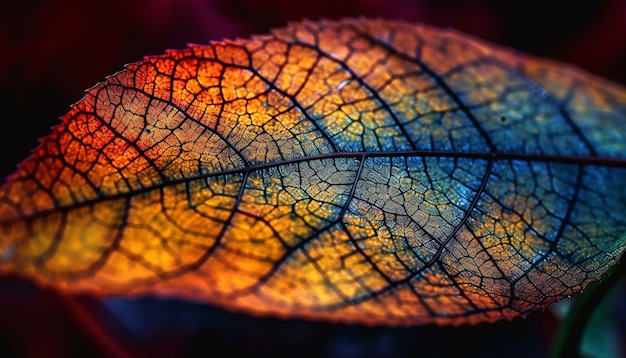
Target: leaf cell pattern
{"type": "Point", "coordinates": [356, 171]}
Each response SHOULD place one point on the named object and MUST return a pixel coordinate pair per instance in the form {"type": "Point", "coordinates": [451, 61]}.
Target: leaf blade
{"type": "Point", "coordinates": [345, 171]}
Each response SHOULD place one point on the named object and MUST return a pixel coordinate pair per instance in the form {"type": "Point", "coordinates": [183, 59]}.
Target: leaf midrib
{"type": "Point", "coordinates": [561, 159]}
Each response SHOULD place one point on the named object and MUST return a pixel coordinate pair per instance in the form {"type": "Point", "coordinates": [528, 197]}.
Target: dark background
{"type": "Point", "coordinates": [51, 51]}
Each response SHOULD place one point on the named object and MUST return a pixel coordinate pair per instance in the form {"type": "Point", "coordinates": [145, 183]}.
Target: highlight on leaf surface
{"type": "Point", "coordinates": [359, 171]}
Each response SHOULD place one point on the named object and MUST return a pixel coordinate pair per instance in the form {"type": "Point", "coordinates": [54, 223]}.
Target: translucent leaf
{"type": "Point", "coordinates": [357, 171]}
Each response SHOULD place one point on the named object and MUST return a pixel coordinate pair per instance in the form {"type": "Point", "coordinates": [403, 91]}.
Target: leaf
{"type": "Point", "coordinates": [358, 171]}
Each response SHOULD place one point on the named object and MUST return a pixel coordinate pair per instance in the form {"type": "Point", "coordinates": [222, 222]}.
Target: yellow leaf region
{"type": "Point", "coordinates": [358, 171]}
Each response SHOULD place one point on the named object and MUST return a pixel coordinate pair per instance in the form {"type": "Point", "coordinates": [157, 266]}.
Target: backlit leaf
{"type": "Point", "coordinates": [358, 171]}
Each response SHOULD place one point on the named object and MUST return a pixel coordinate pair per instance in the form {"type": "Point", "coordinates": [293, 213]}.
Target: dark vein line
{"type": "Point", "coordinates": [56, 241]}
{"type": "Point", "coordinates": [184, 114]}
{"type": "Point", "coordinates": [437, 255]}
{"type": "Point", "coordinates": [95, 266]}
{"type": "Point", "coordinates": [536, 88]}
{"type": "Point", "coordinates": [307, 240]}
{"type": "Point", "coordinates": [579, 160]}
{"type": "Point", "coordinates": [209, 251]}
{"type": "Point", "coordinates": [468, 213]}
{"type": "Point", "coordinates": [564, 223]}
{"type": "Point", "coordinates": [438, 79]}
{"type": "Point", "coordinates": [373, 92]}
{"type": "Point", "coordinates": [296, 104]}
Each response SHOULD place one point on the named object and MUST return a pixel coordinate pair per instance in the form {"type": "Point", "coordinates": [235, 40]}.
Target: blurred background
{"type": "Point", "coordinates": [51, 51]}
